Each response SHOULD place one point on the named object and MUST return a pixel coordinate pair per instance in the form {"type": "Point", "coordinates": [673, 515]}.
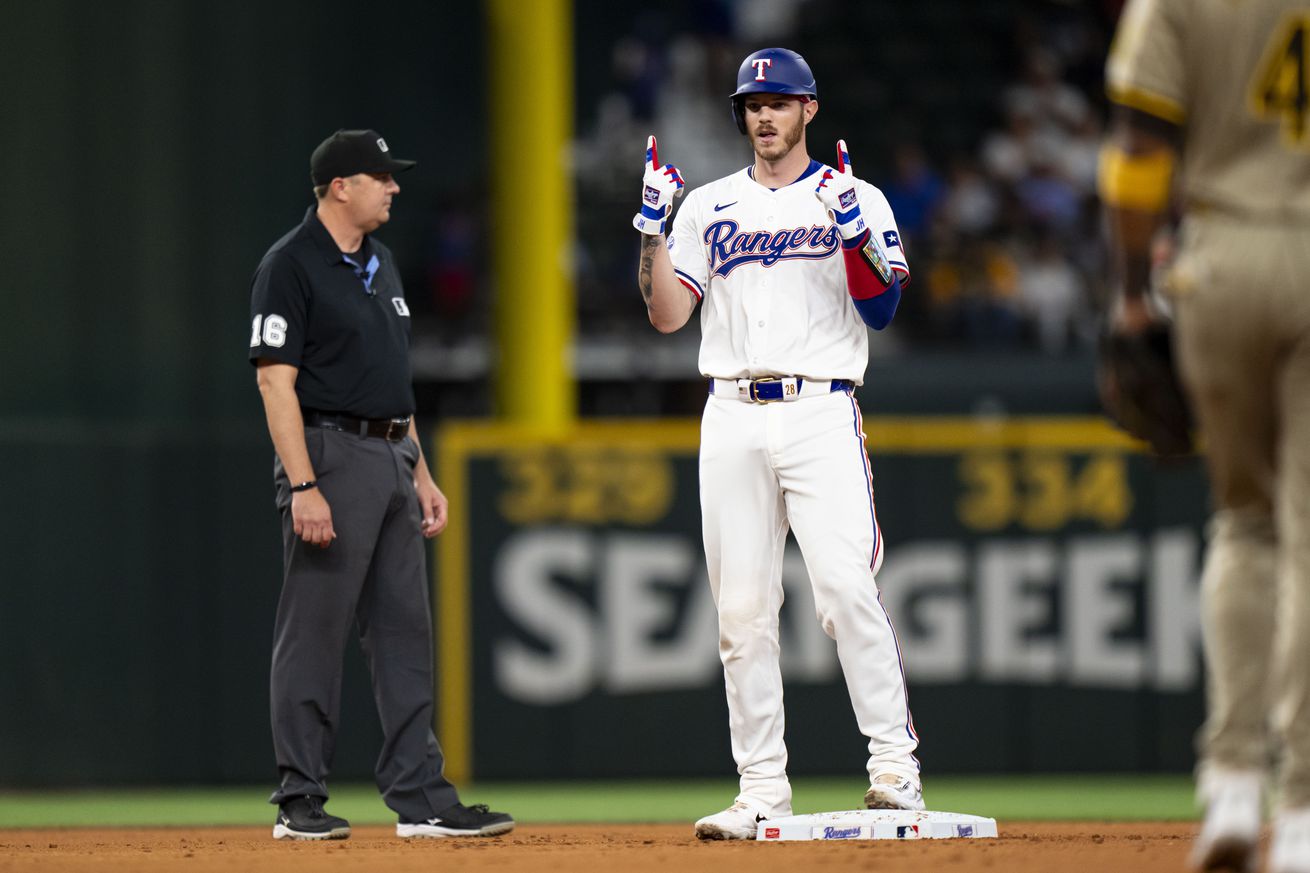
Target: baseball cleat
{"type": "Point", "coordinates": [1290, 850]}
{"type": "Point", "coordinates": [1231, 827]}
{"type": "Point", "coordinates": [737, 822]}
{"type": "Point", "coordinates": [892, 791]}
{"type": "Point", "coordinates": [459, 821]}
{"type": "Point", "coordinates": [303, 818]}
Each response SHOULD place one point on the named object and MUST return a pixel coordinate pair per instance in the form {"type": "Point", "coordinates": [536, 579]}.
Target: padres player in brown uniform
{"type": "Point", "coordinates": [1217, 93]}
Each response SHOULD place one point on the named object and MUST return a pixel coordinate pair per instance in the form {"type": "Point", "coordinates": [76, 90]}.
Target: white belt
{"type": "Point", "coordinates": [775, 388]}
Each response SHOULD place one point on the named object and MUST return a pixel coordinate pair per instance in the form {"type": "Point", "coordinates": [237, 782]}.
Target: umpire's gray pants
{"type": "Point", "coordinates": [372, 576]}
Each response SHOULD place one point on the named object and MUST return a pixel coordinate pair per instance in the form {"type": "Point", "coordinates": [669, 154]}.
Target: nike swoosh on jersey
{"type": "Point", "coordinates": [718, 208]}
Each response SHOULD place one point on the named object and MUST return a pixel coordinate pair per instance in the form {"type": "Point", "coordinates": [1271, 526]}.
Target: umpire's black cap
{"type": "Point", "coordinates": [348, 152]}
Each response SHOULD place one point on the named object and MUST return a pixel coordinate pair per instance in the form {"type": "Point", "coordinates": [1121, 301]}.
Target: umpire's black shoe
{"type": "Point", "coordinates": [303, 818]}
{"type": "Point", "coordinates": [459, 821]}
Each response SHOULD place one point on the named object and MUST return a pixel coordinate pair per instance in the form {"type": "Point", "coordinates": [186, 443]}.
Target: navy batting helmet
{"type": "Point", "coordinates": [771, 71]}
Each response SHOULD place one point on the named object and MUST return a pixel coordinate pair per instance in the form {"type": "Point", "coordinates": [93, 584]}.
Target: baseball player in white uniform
{"type": "Point", "coordinates": [790, 259]}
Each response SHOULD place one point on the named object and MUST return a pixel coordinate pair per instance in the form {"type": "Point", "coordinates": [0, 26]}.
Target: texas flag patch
{"type": "Point", "coordinates": [891, 238]}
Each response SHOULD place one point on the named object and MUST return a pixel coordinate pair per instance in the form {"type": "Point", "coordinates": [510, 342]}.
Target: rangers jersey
{"type": "Point", "coordinates": [767, 266]}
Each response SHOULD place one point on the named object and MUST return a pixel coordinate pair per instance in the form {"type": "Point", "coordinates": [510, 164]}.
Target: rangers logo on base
{"type": "Point", "coordinates": [851, 833]}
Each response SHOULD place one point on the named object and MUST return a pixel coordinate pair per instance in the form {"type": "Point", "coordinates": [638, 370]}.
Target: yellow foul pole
{"type": "Point", "coordinates": [531, 45]}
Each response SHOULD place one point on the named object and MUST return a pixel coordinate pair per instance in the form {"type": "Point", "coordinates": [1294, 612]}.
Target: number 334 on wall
{"type": "Point", "coordinates": [1042, 490]}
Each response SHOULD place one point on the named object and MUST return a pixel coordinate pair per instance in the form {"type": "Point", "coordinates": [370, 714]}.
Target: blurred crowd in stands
{"type": "Point", "coordinates": [980, 122]}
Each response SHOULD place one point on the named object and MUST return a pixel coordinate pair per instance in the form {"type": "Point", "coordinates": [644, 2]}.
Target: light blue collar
{"type": "Point", "coordinates": [365, 273]}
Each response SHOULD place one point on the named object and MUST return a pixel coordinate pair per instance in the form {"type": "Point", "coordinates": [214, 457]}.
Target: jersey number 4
{"type": "Point", "coordinates": [272, 331]}
{"type": "Point", "coordinates": [1281, 88]}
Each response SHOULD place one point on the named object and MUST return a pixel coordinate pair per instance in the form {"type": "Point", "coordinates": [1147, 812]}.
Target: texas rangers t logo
{"type": "Point", "coordinates": [759, 64]}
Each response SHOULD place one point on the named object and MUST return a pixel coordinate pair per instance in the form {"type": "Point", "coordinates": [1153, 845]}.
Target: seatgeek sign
{"type": "Point", "coordinates": [1042, 577]}
{"type": "Point", "coordinates": [1096, 611]}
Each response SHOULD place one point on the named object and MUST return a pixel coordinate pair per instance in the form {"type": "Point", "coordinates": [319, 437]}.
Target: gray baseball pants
{"type": "Point", "coordinates": [371, 578]}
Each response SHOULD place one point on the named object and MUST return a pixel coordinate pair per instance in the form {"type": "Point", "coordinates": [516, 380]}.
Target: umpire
{"type": "Point", "coordinates": [330, 338]}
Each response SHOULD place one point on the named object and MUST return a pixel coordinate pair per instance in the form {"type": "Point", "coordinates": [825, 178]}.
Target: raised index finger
{"type": "Point", "coordinates": [652, 153]}
{"type": "Point", "coordinates": [843, 158]}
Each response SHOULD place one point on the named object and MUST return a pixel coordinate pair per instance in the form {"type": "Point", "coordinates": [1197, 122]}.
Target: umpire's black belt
{"type": "Point", "coordinates": [393, 429]}
{"type": "Point", "coordinates": [774, 388]}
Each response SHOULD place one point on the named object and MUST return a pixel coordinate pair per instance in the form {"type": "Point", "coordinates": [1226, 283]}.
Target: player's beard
{"type": "Point", "coordinates": [783, 144]}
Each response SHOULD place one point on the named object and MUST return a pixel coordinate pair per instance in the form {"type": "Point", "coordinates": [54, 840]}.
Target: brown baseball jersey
{"type": "Point", "coordinates": [1235, 75]}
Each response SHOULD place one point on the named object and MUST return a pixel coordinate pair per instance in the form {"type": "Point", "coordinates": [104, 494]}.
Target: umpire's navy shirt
{"type": "Point", "coordinates": [347, 330]}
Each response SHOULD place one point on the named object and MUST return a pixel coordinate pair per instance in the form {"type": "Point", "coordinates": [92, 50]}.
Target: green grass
{"type": "Point", "coordinates": [1106, 798]}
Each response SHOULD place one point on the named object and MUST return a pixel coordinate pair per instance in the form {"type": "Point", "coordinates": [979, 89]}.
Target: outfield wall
{"type": "Point", "coordinates": [1041, 573]}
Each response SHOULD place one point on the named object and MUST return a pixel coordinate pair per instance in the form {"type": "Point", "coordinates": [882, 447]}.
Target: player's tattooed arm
{"type": "Point", "coordinates": [648, 246]}
{"type": "Point", "coordinates": [668, 302]}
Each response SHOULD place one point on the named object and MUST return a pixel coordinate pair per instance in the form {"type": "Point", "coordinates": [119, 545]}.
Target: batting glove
{"type": "Point", "coordinates": [836, 192]}
{"type": "Point", "coordinates": [660, 187]}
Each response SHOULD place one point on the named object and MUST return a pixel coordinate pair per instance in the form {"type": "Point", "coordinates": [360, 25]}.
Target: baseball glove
{"type": "Point", "coordinates": [1141, 391]}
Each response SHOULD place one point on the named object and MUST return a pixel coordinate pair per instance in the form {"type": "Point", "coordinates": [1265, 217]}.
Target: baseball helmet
{"type": "Point", "coordinates": [771, 71]}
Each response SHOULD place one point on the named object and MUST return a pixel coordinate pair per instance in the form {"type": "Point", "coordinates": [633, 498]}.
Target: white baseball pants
{"type": "Point", "coordinates": [801, 464]}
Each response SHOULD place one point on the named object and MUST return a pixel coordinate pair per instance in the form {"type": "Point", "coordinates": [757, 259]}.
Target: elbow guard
{"type": "Point", "coordinates": [873, 284]}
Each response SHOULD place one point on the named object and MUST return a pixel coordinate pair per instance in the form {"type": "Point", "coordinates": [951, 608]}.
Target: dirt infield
{"type": "Point", "coordinates": [1066, 847]}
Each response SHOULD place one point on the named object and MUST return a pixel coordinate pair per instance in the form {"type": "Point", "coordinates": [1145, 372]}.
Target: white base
{"type": "Point", "coordinates": [876, 824]}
